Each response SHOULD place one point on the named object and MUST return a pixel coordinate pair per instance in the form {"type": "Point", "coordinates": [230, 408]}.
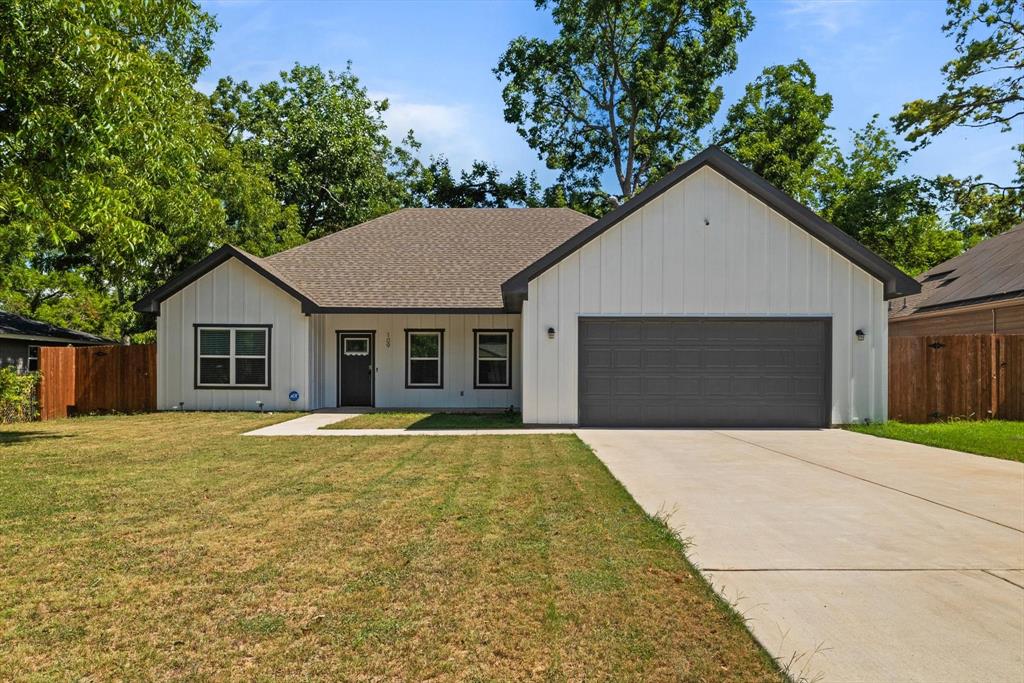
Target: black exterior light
{"type": "Point", "coordinates": [860, 335]}
{"type": "Point", "coordinates": [551, 333]}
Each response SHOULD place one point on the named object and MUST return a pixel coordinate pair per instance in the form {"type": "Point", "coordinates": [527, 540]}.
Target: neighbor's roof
{"type": "Point", "coordinates": [18, 326]}
{"type": "Point", "coordinates": [992, 270]}
{"type": "Point", "coordinates": [412, 259]}
{"type": "Point", "coordinates": [896, 282]}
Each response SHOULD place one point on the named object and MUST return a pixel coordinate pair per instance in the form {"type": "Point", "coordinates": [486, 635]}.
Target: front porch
{"type": "Point", "coordinates": [467, 361]}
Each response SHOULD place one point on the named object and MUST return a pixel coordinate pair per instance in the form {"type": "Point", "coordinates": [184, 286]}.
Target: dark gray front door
{"type": "Point", "coordinates": [355, 369]}
{"type": "Point", "coordinates": [705, 372]}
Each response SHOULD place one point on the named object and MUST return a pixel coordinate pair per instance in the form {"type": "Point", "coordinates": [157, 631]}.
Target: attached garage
{"type": "Point", "coordinates": [711, 299]}
{"type": "Point", "coordinates": [704, 372]}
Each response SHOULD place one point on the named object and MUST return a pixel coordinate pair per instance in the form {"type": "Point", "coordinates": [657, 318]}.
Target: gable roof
{"type": "Point", "coordinates": [12, 325]}
{"type": "Point", "coordinates": [151, 302]}
{"type": "Point", "coordinates": [411, 260]}
{"type": "Point", "coordinates": [897, 283]}
{"type": "Point", "coordinates": [991, 270]}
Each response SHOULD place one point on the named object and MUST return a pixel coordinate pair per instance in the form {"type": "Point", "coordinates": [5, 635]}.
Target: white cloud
{"type": "Point", "coordinates": [830, 16]}
{"type": "Point", "coordinates": [446, 129]}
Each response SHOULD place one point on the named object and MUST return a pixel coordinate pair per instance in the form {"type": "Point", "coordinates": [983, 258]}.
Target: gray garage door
{"type": "Point", "coordinates": [704, 372]}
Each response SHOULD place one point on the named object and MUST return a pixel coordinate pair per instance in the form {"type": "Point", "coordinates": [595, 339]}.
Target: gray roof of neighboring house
{"type": "Point", "coordinates": [409, 260]}
{"type": "Point", "coordinates": [992, 270]}
{"type": "Point", "coordinates": [20, 326]}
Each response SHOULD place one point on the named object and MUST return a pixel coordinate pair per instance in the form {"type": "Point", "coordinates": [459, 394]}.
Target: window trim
{"type": "Point", "coordinates": [440, 358]}
{"type": "Point", "coordinates": [476, 359]}
{"type": "Point", "coordinates": [29, 358]}
{"type": "Point", "coordinates": [231, 347]}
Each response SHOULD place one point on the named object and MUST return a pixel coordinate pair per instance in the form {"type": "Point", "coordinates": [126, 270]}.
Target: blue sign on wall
{"type": "Point", "coordinates": [293, 396]}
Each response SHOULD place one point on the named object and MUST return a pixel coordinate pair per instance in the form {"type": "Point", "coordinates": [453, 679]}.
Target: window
{"type": "Point", "coordinates": [423, 367]}
{"type": "Point", "coordinates": [33, 358]}
{"type": "Point", "coordinates": [233, 357]}
{"type": "Point", "coordinates": [357, 347]}
{"type": "Point", "coordinates": [493, 359]}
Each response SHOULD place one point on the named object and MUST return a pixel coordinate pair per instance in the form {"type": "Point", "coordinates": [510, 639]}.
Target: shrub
{"type": "Point", "coordinates": [17, 395]}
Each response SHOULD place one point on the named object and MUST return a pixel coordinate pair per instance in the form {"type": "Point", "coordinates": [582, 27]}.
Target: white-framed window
{"type": "Point", "coordinates": [33, 359]}
{"type": "Point", "coordinates": [233, 356]}
{"type": "Point", "coordinates": [492, 359]}
{"type": "Point", "coordinates": [424, 367]}
{"type": "Point", "coordinates": [357, 346]}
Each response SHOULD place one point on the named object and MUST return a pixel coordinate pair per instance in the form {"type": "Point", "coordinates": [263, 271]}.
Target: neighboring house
{"type": "Point", "coordinates": [979, 291]}
{"type": "Point", "coordinates": [21, 338]}
{"type": "Point", "coordinates": [711, 298]}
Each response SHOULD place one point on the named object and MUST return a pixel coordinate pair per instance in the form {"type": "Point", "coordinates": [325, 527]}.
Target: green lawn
{"type": "Point", "coordinates": [414, 421]}
{"type": "Point", "coordinates": [997, 438]}
{"type": "Point", "coordinates": [166, 546]}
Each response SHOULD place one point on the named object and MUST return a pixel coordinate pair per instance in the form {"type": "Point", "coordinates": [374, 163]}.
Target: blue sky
{"type": "Point", "coordinates": [433, 61]}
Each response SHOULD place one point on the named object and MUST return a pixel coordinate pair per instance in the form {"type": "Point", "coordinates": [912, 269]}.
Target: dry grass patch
{"type": "Point", "coordinates": [395, 419]}
{"type": "Point", "coordinates": [166, 546]}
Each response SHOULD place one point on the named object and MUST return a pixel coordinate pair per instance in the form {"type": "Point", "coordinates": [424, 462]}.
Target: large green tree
{"type": "Point", "coordinates": [779, 128]}
{"type": "Point", "coordinates": [625, 85]}
{"type": "Point", "coordinates": [110, 175]}
{"type": "Point", "coordinates": [983, 88]}
{"type": "Point", "coordinates": [323, 140]}
{"type": "Point", "coordinates": [897, 216]}
{"type": "Point", "coordinates": [984, 82]}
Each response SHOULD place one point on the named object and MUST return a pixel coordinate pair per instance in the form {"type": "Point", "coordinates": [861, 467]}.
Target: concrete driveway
{"type": "Point", "coordinates": [853, 558]}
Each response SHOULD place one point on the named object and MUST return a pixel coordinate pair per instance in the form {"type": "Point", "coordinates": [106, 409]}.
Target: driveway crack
{"type": "Point", "coordinates": [869, 481]}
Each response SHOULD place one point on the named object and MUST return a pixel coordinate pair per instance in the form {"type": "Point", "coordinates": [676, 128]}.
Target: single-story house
{"type": "Point", "coordinates": [709, 299]}
{"type": "Point", "coordinates": [21, 339]}
{"type": "Point", "coordinates": [980, 291]}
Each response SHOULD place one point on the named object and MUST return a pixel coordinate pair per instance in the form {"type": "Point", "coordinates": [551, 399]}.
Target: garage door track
{"type": "Point", "coordinates": [853, 558]}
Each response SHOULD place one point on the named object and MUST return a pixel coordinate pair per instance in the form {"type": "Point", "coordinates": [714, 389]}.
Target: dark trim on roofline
{"type": "Point", "coordinates": [896, 282]}
{"type": "Point", "coordinates": [151, 302]}
{"type": "Point", "coordinates": [497, 310]}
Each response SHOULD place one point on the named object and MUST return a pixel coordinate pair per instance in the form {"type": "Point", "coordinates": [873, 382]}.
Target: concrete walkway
{"type": "Point", "coordinates": [310, 425]}
{"type": "Point", "coordinates": [853, 558]}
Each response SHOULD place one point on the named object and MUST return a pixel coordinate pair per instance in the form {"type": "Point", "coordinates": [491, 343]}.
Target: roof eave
{"type": "Point", "coordinates": [151, 302]}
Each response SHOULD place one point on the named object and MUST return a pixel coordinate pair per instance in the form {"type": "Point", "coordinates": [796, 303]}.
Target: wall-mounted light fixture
{"type": "Point", "coordinates": [860, 335]}
{"type": "Point", "coordinates": [551, 333]}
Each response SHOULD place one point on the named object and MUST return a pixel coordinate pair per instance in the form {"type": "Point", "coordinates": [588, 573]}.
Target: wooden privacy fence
{"type": "Point", "coordinates": [976, 376]}
{"type": "Point", "coordinates": [96, 379]}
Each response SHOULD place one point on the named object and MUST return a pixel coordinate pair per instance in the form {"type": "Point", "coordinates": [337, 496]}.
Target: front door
{"type": "Point", "coordinates": [355, 368]}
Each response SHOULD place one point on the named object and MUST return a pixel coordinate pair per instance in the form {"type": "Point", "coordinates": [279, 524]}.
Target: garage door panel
{"type": "Point", "coordinates": [674, 372]}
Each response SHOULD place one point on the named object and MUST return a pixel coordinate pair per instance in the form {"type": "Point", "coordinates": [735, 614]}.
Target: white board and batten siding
{"type": "Point", "coordinates": [389, 357]}
{"type": "Point", "coordinates": [705, 247]}
{"type": "Point", "coordinates": [232, 293]}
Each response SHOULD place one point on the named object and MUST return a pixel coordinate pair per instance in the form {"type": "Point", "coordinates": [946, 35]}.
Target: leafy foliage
{"type": "Point", "coordinates": [779, 128]}
{"type": "Point", "coordinates": [626, 84]}
{"type": "Point", "coordinates": [984, 86]}
{"type": "Point", "coordinates": [323, 140]}
{"type": "Point", "coordinates": [984, 82]}
{"type": "Point", "coordinates": [110, 176]}
{"type": "Point", "coordinates": [17, 392]}
{"type": "Point", "coordinates": [895, 216]}
{"type": "Point", "coordinates": [481, 186]}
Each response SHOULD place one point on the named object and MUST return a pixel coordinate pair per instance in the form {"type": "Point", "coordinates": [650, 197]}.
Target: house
{"type": "Point", "coordinates": [979, 291]}
{"type": "Point", "coordinates": [710, 298]}
{"type": "Point", "coordinates": [21, 338]}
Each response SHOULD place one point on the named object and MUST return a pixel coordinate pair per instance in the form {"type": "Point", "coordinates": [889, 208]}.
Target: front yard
{"type": "Point", "coordinates": [413, 421]}
{"type": "Point", "coordinates": [166, 546]}
{"type": "Point", "coordinates": [997, 438]}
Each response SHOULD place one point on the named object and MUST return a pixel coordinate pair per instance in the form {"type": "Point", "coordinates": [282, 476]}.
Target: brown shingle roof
{"type": "Point", "coordinates": [992, 269]}
{"type": "Point", "coordinates": [425, 258]}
